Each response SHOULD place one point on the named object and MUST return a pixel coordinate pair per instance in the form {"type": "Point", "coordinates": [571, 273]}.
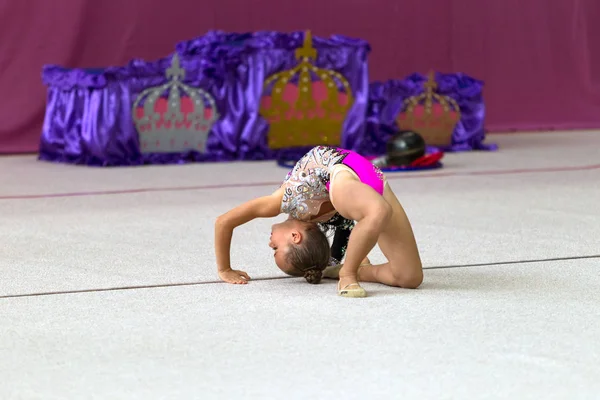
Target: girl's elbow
{"type": "Point", "coordinates": [378, 214]}
{"type": "Point", "coordinates": [382, 211]}
{"type": "Point", "coordinates": [221, 221]}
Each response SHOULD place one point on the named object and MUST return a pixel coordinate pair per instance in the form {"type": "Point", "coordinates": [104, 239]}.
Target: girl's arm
{"type": "Point", "coordinates": [262, 207]}
{"type": "Point", "coordinates": [355, 200]}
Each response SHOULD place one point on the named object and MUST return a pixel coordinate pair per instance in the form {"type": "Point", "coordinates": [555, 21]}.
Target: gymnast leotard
{"type": "Point", "coordinates": [307, 188]}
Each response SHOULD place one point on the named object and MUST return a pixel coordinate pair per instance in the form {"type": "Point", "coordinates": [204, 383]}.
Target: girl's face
{"type": "Point", "coordinates": [284, 235]}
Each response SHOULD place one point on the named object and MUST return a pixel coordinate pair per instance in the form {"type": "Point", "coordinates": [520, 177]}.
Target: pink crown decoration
{"type": "Point", "coordinates": [174, 117]}
{"type": "Point", "coordinates": [306, 105]}
{"type": "Point", "coordinates": [431, 115]}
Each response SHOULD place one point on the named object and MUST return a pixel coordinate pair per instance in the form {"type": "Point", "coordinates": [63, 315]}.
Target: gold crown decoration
{"type": "Point", "coordinates": [306, 105]}
{"type": "Point", "coordinates": [432, 116]}
{"type": "Point", "coordinates": [178, 122]}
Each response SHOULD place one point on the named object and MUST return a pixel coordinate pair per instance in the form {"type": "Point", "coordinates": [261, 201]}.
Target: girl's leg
{"type": "Point", "coordinates": [398, 244]}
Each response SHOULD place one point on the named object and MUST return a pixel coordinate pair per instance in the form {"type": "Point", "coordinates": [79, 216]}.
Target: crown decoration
{"type": "Point", "coordinates": [307, 105]}
{"type": "Point", "coordinates": [432, 116]}
{"type": "Point", "coordinates": [179, 122]}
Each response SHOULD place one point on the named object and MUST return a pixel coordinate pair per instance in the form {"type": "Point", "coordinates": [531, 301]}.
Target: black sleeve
{"type": "Point", "coordinates": [341, 229]}
{"type": "Point", "coordinates": [340, 242]}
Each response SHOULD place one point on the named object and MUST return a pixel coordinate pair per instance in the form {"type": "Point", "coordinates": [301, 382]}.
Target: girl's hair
{"type": "Point", "coordinates": [311, 256]}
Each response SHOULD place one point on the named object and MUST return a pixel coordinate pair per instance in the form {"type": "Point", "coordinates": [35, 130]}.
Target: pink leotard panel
{"type": "Point", "coordinates": [306, 186]}
{"type": "Point", "coordinates": [368, 173]}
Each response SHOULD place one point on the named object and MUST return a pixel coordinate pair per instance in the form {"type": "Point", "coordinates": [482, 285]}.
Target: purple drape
{"type": "Point", "coordinates": [386, 98]}
{"type": "Point", "coordinates": [264, 53]}
{"type": "Point", "coordinates": [89, 113]}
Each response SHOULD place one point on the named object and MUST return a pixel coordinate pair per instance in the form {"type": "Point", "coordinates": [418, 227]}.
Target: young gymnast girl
{"type": "Point", "coordinates": [330, 190]}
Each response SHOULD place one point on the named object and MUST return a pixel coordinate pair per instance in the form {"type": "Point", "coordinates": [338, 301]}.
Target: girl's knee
{"type": "Point", "coordinates": [409, 280]}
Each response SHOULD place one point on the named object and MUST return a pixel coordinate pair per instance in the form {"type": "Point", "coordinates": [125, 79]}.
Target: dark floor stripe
{"type": "Point", "coordinates": [166, 285]}
{"type": "Point", "coordinates": [389, 176]}
{"type": "Point", "coordinates": [516, 262]}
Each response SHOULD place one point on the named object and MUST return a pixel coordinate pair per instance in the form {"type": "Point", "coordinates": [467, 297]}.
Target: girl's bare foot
{"type": "Point", "coordinates": [333, 272]}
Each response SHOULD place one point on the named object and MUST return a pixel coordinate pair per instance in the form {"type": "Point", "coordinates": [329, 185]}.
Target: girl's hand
{"type": "Point", "coordinates": [234, 276]}
{"type": "Point", "coordinates": [263, 207]}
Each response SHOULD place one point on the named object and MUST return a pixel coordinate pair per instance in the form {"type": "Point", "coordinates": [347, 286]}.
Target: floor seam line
{"type": "Point", "coordinates": [169, 285]}
{"type": "Point", "coordinates": [389, 176]}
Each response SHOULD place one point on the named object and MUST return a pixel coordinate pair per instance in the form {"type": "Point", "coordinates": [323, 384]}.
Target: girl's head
{"type": "Point", "coordinates": [301, 249]}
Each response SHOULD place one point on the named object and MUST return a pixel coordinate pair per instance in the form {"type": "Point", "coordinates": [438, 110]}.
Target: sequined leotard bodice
{"type": "Point", "coordinates": [306, 187]}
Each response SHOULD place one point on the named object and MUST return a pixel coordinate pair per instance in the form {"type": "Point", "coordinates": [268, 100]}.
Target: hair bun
{"type": "Point", "coordinates": [313, 276]}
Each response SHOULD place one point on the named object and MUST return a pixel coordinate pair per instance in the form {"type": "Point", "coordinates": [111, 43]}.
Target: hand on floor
{"type": "Point", "coordinates": [234, 276]}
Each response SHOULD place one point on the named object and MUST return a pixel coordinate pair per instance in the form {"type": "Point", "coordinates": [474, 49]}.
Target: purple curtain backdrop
{"type": "Point", "coordinates": [89, 115]}
{"type": "Point", "coordinates": [264, 53]}
{"type": "Point", "coordinates": [386, 101]}
{"type": "Point", "coordinates": [538, 58]}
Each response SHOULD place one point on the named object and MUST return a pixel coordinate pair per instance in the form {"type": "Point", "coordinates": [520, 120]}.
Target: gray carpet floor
{"type": "Point", "coordinates": [108, 286]}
